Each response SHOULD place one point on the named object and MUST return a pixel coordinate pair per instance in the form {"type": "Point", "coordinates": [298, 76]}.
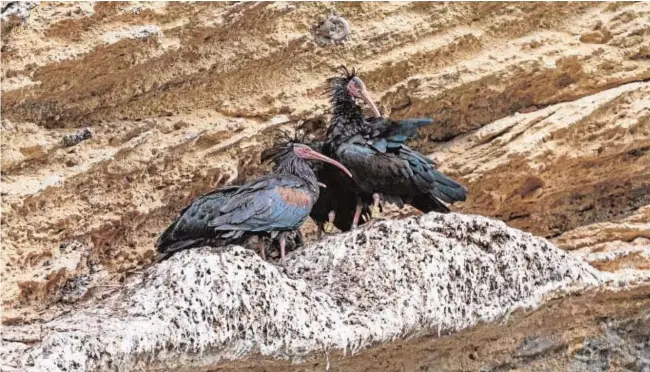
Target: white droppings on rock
{"type": "Point", "coordinates": [52, 180]}
{"type": "Point", "coordinates": [139, 32]}
{"type": "Point", "coordinates": [279, 119]}
{"type": "Point", "coordinates": [18, 9]}
{"type": "Point", "coordinates": [344, 293]}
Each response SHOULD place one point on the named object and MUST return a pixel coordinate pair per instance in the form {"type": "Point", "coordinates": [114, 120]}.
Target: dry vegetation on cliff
{"type": "Point", "coordinates": [544, 113]}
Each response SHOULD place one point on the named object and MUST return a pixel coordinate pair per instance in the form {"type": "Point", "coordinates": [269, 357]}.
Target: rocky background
{"type": "Point", "coordinates": [115, 115]}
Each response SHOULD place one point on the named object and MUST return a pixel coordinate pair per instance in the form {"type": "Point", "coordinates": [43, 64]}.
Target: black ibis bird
{"type": "Point", "coordinates": [374, 150]}
{"type": "Point", "coordinates": [334, 207]}
{"type": "Point", "coordinates": [273, 205]}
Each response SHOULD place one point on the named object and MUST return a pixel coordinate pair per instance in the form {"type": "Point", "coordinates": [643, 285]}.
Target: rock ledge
{"type": "Point", "coordinates": [421, 275]}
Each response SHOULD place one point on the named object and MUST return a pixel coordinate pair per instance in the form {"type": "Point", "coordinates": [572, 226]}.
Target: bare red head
{"type": "Point", "coordinates": [357, 89]}
{"type": "Point", "coordinates": [307, 153]}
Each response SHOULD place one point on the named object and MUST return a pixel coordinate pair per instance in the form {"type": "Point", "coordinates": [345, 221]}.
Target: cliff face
{"type": "Point", "coordinates": [543, 109]}
{"type": "Point", "coordinates": [343, 295]}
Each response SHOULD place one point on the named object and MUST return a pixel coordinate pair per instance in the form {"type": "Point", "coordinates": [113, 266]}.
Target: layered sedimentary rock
{"type": "Point", "coordinates": [542, 109]}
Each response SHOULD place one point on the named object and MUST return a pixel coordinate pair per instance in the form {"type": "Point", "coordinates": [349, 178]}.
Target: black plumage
{"type": "Point", "coordinates": [374, 150]}
{"type": "Point", "coordinates": [269, 206]}
{"type": "Point", "coordinates": [340, 200]}
{"type": "Point", "coordinates": [335, 206]}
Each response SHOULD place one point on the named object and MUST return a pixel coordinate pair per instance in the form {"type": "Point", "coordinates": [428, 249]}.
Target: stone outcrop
{"type": "Point", "coordinates": [430, 275]}
{"type": "Point", "coordinates": [115, 115]}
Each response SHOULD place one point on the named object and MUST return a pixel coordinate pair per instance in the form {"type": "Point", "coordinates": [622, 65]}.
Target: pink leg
{"type": "Point", "coordinates": [357, 214]}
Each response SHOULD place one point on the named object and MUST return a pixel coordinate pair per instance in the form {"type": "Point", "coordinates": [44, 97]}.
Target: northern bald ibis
{"type": "Point", "coordinates": [375, 152]}
{"type": "Point", "coordinates": [273, 205]}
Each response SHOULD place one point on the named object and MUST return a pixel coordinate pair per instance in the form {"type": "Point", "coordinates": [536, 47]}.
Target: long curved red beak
{"type": "Point", "coordinates": [368, 100]}
{"type": "Point", "coordinates": [310, 154]}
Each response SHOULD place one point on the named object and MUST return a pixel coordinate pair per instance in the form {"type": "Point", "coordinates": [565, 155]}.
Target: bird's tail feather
{"type": "Point", "coordinates": [449, 194]}
{"type": "Point", "coordinates": [446, 189]}
{"type": "Point", "coordinates": [417, 122]}
{"type": "Point", "coordinates": [428, 203]}
{"type": "Point", "coordinates": [166, 251]}
{"type": "Point", "coordinates": [165, 238]}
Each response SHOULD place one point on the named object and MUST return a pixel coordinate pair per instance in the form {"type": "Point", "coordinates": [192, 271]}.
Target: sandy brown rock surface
{"type": "Point", "coordinates": [543, 109]}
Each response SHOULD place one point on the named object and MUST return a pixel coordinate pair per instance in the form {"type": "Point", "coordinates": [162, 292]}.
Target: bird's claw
{"type": "Point", "coordinates": [328, 227]}
{"type": "Point", "coordinates": [371, 223]}
{"type": "Point", "coordinates": [375, 212]}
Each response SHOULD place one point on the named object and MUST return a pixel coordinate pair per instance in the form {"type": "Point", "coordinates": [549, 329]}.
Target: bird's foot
{"type": "Point", "coordinates": [371, 223]}
{"type": "Point", "coordinates": [328, 227]}
{"type": "Point", "coordinates": [375, 212]}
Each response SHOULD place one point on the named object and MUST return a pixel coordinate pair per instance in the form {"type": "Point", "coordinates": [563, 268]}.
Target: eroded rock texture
{"type": "Point", "coordinates": [543, 110]}
{"type": "Point", "coordinates": [417, 276]}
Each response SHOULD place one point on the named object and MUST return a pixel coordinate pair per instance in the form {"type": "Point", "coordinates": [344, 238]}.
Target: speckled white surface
{"type": "Point", "coordinates": [344, 293]}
